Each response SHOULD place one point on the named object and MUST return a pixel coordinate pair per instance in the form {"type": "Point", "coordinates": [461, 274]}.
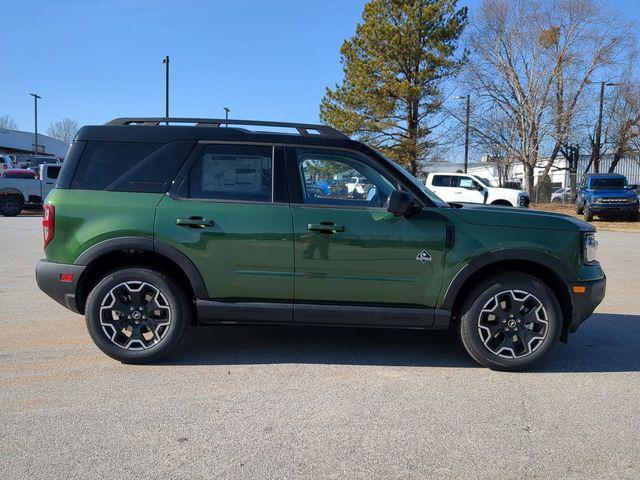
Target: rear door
{"type": "Point", "coordinates": [228, 213]}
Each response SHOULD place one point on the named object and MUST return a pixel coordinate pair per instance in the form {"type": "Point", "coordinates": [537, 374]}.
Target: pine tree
{"type": "Point", "coordinates": [394, 67]}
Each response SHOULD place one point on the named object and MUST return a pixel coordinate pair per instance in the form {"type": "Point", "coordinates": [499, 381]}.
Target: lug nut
{"type": "Point", "coordinates": [132, 308]}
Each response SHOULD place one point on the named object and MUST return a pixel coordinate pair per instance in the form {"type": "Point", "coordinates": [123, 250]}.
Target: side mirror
{"type": "Point", "coordinates": [480, 188]}
{"type": "Point", "coordinates": [402, 203]}
{"type": "Point", "coordinates": [633, 187]}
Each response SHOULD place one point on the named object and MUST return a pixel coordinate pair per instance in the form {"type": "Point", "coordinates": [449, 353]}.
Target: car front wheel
{"type": "Point", "coordinates": [510, 321]}
{"type": "Point", "coordinates": [137, 315]}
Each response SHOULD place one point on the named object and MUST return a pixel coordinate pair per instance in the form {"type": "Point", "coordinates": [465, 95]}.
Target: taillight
{"type": "Point", "coordinates": [48, 222]}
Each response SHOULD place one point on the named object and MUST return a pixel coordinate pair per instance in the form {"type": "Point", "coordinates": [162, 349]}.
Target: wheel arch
{"type": "Point", "coordinates": [545, 268]}
{"type": "Point", "coordinates": [136, 251]}
{"type": "Point", "coordinates": [501, 201]}
{"type": "Point", "coordinates": [12, 191]}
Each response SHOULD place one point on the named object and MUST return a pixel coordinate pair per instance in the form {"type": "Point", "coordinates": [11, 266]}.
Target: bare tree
{"type": "Point", "coordinates": [64, 130]}
{"type": "Point", "coordinates": [8, 123]}
{"type": "Point", "coordinates": [529, 64]}
{"type": "Point", "coordinates": [622, 114]}
{"type": "Point", "coordinates": [587, 39]}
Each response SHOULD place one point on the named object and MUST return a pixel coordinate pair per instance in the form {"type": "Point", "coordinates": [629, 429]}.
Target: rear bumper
{"type": "Point", "coordinates": [585, 303]}
{"type": "Point", "coordinates": [48, 279]}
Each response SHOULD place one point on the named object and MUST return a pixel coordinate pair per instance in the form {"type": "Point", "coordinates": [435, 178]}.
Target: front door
{"type": "Point", "coordinates": [351, 252]}
{"type": "Point", "coordinates": [227, 218]}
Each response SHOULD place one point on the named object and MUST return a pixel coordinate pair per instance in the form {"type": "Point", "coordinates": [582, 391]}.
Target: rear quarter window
{"type": "Point", "coordinates": [129, 166]}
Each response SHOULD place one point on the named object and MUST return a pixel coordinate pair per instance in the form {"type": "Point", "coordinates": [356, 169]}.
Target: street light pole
{"type": "Point", "coordinates": [226, 115]}
{"type": "Point", "coordinates": [165, 60]}
{"type": "Point", "coordinates": [35, 105]}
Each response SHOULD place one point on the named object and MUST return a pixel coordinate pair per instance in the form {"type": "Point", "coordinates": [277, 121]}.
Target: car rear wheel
{"type": "Point", "coordinates": [10, 205]}
{"type": "Point", "coordinates": [510, 321]}
{"type": "Point", "coordinates": [137, 315]}
{"type": "Point", "coordinates": [579, 208]}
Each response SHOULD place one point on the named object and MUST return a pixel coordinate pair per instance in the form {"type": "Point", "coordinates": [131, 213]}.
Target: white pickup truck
{"type": "Point", "coordinates": [17, 193]}
{"type": "Point", "coordinates": [468, 188]}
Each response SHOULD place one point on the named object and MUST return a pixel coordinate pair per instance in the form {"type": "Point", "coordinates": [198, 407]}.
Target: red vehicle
{"type": "Point", "coordinates": [18, 173]}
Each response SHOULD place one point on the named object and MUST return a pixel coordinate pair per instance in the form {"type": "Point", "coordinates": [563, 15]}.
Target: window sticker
{"type": "Point", "coordinates": [234, 173]}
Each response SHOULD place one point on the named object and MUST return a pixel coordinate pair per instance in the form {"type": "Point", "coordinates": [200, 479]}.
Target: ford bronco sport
{"type": "Point", "coordinates": [155, 228]}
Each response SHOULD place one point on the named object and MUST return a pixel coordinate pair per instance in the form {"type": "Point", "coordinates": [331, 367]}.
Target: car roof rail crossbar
{"type": "Point", "coordinates": [304, 129]}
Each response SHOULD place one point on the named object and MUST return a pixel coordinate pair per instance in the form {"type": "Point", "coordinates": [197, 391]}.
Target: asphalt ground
{"type": "Point", "coordinates": [294, 402]}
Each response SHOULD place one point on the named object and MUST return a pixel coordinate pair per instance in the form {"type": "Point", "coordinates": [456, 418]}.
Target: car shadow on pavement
{"type": "Point", "coordinates": [605, 343]}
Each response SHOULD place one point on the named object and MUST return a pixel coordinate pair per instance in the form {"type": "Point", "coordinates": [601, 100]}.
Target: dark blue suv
{"type": "Point", "coordinates": [607, 195]}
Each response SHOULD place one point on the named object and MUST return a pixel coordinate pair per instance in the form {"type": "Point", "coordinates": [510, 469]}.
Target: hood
{"type": "Point", "coordinates": [612, 192]}
{"type": "Point", "coordinates": [508, 191]}
{"type": "Point", "coordinates": [497, 216]}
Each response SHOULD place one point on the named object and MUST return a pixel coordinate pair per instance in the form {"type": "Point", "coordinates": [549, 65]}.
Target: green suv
{"type": "Point", "coordinates": [157, 225]}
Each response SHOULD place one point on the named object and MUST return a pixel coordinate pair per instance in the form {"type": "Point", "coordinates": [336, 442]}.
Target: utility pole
{"type": "Point", "coordinates": [226, 115]}
{"type": "Point", "coordinates": [165, 60]}
{"type": "Point", "coordinates": [466, 135]}
{"type": "Point", "coordinates": [466, 131]}
{"type": "Point", "coordinates": [35, 104]}
{"type": "Point", "coordinates": [596, 153]}
{"type": "Point", "coordinates": [598, 145]}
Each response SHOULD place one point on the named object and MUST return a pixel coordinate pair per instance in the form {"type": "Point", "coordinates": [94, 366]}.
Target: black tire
{"type": "Point", "coordinates": [110, 336]}
{"type": "Point", "coordinates": [579, 207]}
{"type": "Point", "coordinates": [11, 205]}
{"type": "Point", "coordinates": [491, 349]}
{"type": "Point", "coordinates": [556, 200]}
{"type": "Point", "coordinates": [588, 214]}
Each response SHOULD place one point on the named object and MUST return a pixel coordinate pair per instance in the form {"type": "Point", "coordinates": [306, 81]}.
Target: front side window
{"type": "Point", "coordinates": [333, 177]}
{"type": "Point", "coordinates": [464, 182]}
{"type": "Point", "coordinates": [233, 173]}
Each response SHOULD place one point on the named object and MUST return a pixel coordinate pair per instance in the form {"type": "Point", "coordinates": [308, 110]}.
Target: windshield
{"type": "Point", "coordinates": [484, 181]}
{"type": "Point", "coordinates": [414, 181]}
{"type": "Point", "coordinates": [612, 182]}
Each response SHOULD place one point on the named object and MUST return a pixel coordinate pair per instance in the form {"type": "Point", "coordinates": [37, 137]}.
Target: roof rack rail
{"type": "Point", "coordinates": [304, 129]}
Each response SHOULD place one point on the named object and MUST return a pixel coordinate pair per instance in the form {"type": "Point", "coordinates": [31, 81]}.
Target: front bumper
{"type": "Point", "coordinates": [48, 277]}
{"type": "Point", "coordinates": [615, 208]}
{"type": "Point", "coordinates": [585, 303]}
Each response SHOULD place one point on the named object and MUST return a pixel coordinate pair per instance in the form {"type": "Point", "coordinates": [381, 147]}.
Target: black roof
{"type": "Point", "coordinates": [154, 130]}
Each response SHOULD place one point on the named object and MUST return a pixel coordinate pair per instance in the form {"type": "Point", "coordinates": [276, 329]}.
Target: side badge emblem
{"type": "Point", "coordinates": [423, 257]}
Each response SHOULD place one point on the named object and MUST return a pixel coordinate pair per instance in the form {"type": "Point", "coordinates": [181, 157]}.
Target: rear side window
{"type": "Point", "coordinates": [233, 173]}
{"type": "Point", "coordinates": [128, 166]}
{"type": "Point", "coordinates": [441, 180]}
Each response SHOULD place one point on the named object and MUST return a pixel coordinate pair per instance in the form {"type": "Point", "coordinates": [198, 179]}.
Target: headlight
{"type": "Point", "coordinates": [589, 247]}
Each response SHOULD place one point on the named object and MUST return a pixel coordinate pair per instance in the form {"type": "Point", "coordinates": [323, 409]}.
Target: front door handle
{"type": "Point", "coordinates": [325, 227]}
{"type": "Point", "coordinates": [194, 222]}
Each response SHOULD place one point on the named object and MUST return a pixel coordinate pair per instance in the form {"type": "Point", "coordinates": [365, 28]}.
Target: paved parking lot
{"type": "Point", "coordinates": [285, 402]}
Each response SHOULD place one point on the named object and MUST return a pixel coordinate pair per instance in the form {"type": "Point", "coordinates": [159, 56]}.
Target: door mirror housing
{"type": "Point", "coordinates": [480, 188]}
{"type": "Point", "coordinates": [402, 204]}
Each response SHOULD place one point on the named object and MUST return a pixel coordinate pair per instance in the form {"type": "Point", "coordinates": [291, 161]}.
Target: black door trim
{"type": "Point", "coordinates": [261, 312]}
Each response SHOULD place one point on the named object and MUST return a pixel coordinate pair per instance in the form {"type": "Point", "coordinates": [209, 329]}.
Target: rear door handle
{"type": "Point", "coordinates": [194, 222]}
{"type": "Point", "coordinates": [325, 227]}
